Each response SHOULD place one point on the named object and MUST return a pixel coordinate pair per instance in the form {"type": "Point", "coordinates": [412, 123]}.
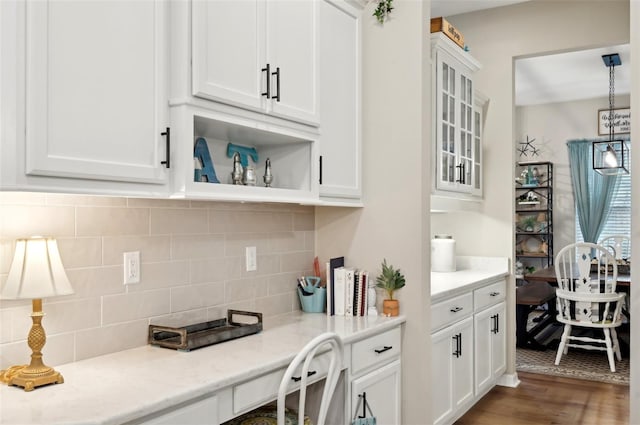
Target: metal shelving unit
{"type": "Point", "coordinates": [534, 214]}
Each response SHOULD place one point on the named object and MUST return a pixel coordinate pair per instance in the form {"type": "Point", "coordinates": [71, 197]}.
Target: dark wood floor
{"type": "Point", "coordinates": [543, 399]}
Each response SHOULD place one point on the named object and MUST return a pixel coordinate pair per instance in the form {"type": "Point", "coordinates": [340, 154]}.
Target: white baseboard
{"type": "Point", "coordinates": [509, 380]}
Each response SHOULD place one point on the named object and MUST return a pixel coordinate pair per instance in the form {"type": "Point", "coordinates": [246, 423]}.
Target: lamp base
{"type": "Point", "coordinates": [29, 378]}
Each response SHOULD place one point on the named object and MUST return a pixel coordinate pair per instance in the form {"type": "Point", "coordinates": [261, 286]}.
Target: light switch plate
{"type": "Point", "coordinates": [251, 261]}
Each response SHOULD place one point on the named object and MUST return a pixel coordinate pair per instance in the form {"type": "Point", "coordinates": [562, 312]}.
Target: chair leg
{"type": "Point", "coordinates": [616, 343]}
{"type": "Point", "coordinates": [563, 348]}
{"type": "Point", "coordinates": [607, 340]}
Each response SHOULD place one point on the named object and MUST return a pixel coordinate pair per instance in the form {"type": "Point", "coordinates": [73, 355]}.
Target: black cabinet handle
{"type": "Point", "coordinates": [267, 93]}
{"type": "Point", "coordinates": [277, 74]}
{"type": "Point", "coordinates": [320, 169]}
{"type": "Point", "coordinates": [456, 309]}
{"type": "Point", "coordinates": [458, 340]}
{"type": "Point", "coordinates": [494, 294]}
{"type": "Point", "coordinates": [386, 348]}
{"type": "Point", "coordinates": [167, 161]}
{"type": "Point", "coordinates": [460, 168]}
{"type": "Point", "coordinates": [497, 323]}
{"type": "Point", "coordinates": [299, 378]}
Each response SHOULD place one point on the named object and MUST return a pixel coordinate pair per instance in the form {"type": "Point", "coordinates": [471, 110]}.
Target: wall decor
{"type": "Point", "coordinates": [201, 152]}
{"type": "Point", "coordinates": [383, 10]}
{"type": "Point", "coordinates": [621, 121]}
{"type": "Point", "coordinates": [527, 148]}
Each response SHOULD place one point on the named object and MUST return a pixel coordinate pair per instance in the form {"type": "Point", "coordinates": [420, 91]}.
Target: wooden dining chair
{"type": "Point", "coordinates": [299, 372]}
{"type": "Point", "coordinates": [588, 299]}
{"type": "Point", "coordinates": [619, 244]}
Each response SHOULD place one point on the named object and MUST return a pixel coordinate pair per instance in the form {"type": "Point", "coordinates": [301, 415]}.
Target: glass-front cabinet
{"type": "Point", "coordinates": [458, 124]}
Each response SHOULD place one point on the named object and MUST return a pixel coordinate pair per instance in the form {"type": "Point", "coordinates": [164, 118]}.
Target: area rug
{"type": "Point", "coordinates": [581, 364]}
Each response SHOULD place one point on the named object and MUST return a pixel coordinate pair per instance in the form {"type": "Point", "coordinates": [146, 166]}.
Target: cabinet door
{"type": "Point", "coordinates": [452, 370]}
{"type": "Point", "coordinates": [96, 101]}
{"type": "Point", "coordinates": [457, 149]}
{"type": "Point", "coordinates": [382, 389]}
{"type": "Point", "coordinates": [228, 51]}
{"type": "Point", "coordinates": [340, 100]}
{"type": "Point", "coordinates": [292, 52]}
{"type": "Point", "coordinates": [490, 339]}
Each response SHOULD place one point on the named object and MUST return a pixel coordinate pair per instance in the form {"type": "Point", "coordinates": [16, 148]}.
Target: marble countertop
{"type": "Point", "coordinates": [470, 272]}
{"type": "Point", "coordinates": [130, 384]}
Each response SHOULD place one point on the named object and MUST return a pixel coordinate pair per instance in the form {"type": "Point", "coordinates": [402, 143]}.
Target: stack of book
{"type": "Point", "coordinates": [346, 289]}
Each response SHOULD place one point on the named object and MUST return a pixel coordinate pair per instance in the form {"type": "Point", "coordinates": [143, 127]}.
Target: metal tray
{"type": "Point", "coordinates": [199, 335]}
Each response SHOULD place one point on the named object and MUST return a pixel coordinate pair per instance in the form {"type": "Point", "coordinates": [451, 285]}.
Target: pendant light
{"type": "Point", "coordinates": [611, 157]}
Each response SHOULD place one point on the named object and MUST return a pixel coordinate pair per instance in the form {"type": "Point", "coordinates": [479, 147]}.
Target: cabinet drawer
{"type": "Point", "coordinates": [263, 389]}
{"type": "Point", "coordinates": [375, 350]}
{"type": "Point", "coordinates": [451, 310]}
{"type": "Point", "coordinates": [489, 295]}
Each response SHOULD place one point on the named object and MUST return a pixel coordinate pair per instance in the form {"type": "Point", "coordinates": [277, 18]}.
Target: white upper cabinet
{"type": "Point", "coordinates": [457, 141]}
{"type": "Point", "coordinates": [261, 55]}
{"type": "Point", "coordinates": [95, 97]}
{"type": "Point", "coordinates": [340, 106]}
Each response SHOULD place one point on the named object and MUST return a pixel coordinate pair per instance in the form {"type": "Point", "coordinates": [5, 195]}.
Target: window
{"type": "Point", "coordinates": [619, 219]}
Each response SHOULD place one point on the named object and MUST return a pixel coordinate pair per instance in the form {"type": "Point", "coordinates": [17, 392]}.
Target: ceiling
{"type": "Point", "coordinates": [560, 77]}
{"type": "Point", "coordinates": [454, 7]}
{"type": "Point", "coordinates": [570, 76]}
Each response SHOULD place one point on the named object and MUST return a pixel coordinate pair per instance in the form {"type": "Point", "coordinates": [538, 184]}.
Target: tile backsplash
{"type": "Point", "coordinates": [192, 257]}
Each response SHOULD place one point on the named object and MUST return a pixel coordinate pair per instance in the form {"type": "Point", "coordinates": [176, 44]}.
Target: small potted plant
{"type": "Point", "coordinates": [390, 280]}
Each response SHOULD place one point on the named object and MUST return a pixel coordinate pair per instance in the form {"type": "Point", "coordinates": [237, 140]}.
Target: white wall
{"type": "Point", "coordinates": [394, 222]}
{"type": "Point", "coordinates": [552, 125]}
{"type": "Point", "coordinates": [496, 37]}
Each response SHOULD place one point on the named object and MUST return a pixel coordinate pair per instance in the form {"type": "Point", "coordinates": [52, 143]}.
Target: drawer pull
{"type": "Point", "coordinates": [494, 294]}
{"type": "Point", "coordinates": [456, 309]}
{"type": "Point", "coordinates": [386, 348]}
{"type": "Point", "coordinates": [299, 378]}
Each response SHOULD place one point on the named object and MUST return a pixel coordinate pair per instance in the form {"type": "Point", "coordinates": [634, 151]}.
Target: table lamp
{"type": "Point", "coordinates": [36, 272]}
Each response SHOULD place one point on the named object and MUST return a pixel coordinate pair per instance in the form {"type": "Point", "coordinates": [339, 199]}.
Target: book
{"type": "Point", "coordinates": [364, 277]}
{"type": "Point", "coordinates": [349, 291]}
{"type": "Point", "coordinates": [357, 294]}
{"type": "Point", "coordinates": [334, 263]}
{"type": "Point", "coordinates": [339, 290]}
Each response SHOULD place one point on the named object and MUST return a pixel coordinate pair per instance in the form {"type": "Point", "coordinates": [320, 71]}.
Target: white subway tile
{"type": "Point", "coordinates": [80, 252]}
{"type": "Point", "coordinates": [22, 198]}
{"type": "Point", "coordinates": [197, 246]}
{"type": "Point", "coordinates": [96, 281]}
{"type": "Point", "coordinates": [57, 350]}
{"type": "Point", "coordinates": [181, 318]}
{"type": "Point", "coordinates": [161, 275]}
{"type": "Point", "coordinates": [275, 304]}
{"type": "Point", "coordinates": [134, 306]}
{"type": "Point", "coordinates": [68, 316]}
{"type": "Point", "coordinates": [21, 221]}
{"type": "Point", "coordinates": [197, 296]}
{"type": "Point", "coordinates": [282, 283]}
{"type": "Point", "coordinates": [98, 221]}
{"type": "Point", "coordinates": [266, 264]}
{"type": "Point", "coordinates": [301, 262]}
{"type": "Point", "coordinates": [215, 269]}
{"type": "Point", "coordinates": [158, 203]}
{"type": "Point", "coordinates": [85, 200]}
{"type": "Point", "coordinates": [304, 221]}
{"type": "Point", "coordinates": [235, 243]}
{"type": "Point", "coordinates": [286, 242]}
{"type": "Point", "coordinates": [178, 221]}
{"type": "Point", "coordinates": [109, 339]}
{"type": "Point", "coordinates": [152, 248]}
{"type": "Point", "coordinates": [245, 289]}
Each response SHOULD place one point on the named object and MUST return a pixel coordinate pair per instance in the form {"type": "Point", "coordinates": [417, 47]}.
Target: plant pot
{"type": "Point", "coordinates": [390, 307]}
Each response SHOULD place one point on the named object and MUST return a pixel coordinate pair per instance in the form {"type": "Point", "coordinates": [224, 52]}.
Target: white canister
{"type": "Point", "coordinates": [443, 254]}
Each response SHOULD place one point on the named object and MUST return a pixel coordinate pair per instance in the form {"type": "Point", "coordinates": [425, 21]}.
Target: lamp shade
{"type": "Point", "coordinates": [36, 271]}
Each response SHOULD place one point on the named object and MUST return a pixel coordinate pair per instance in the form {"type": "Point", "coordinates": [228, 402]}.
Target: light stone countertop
{"type": "Point", "coordinates": [471, 272]}
{"type": "Point", "coordinates": [130, 384]}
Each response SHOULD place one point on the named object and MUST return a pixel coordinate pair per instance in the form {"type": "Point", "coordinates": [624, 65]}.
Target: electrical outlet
{"type": "Point", "coordinates": [131, 267]}
{"type": "Point", "coordinates": [252, 263]}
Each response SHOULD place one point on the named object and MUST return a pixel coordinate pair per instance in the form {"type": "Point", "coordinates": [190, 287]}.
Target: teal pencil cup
{"type": "Point", "coordinates": [315, 302]}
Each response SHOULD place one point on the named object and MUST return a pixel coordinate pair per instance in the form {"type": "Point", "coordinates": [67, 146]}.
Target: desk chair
{"type": "Point", "coordinates": [588, 300]}
{"type": "Point", "coordinates": [294, 374]}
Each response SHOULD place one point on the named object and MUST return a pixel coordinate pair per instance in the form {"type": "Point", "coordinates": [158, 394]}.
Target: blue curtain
{"type": "Point", "coordinates": [592, 191]}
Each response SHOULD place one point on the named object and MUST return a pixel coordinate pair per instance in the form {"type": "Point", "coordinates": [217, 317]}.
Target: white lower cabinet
{"type": "Point", "coordinates": [468, 348]}
{"type": "Point", "coordinates": [376, 374]}
{"type": "Point", "coordinates": [452, 369]}
{"type": "Point", "coordinates": [382, 391]}
{"type": "Point", "coordinates": [490, 339]}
